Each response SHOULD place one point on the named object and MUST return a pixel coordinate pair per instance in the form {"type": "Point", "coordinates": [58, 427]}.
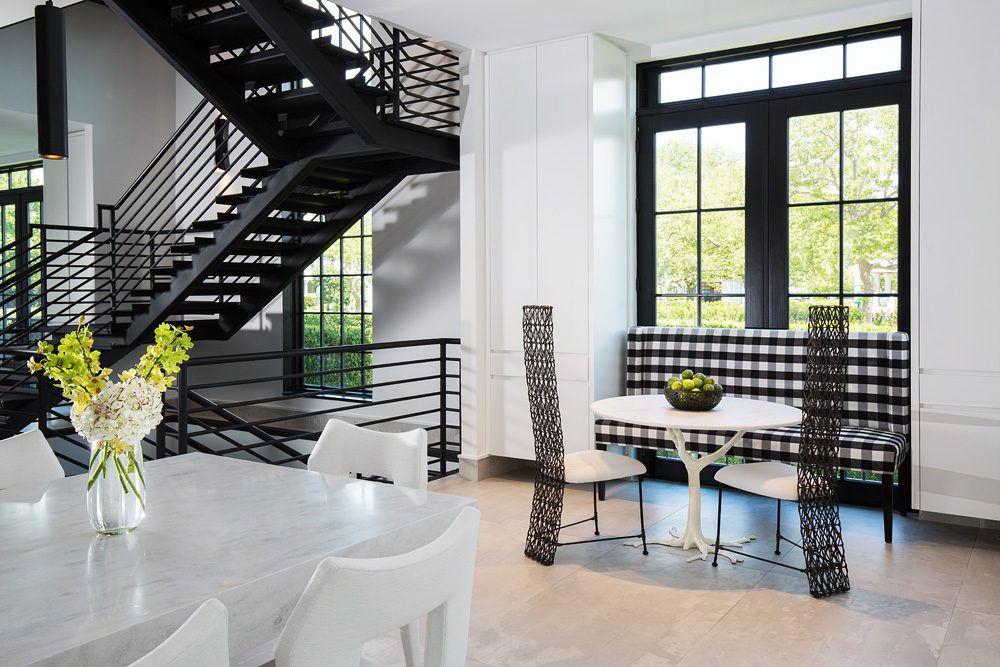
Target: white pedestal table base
{"type": "Point", "coordinates": [693, 537]}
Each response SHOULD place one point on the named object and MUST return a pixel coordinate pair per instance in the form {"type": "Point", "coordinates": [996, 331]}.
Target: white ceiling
{"type": "Point", "coordinates": [12, 11]}
{"type": "Point", "coordinates": [496, 24]}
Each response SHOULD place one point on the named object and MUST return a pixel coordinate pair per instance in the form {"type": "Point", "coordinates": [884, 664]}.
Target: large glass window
{"type": "Point", "coordinates": [774, 178]}
{"type": "Point", "coordinates": [335, 308]}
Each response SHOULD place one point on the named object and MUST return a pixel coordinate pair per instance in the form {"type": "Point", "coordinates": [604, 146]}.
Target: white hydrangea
{"type": "Point", "coordinates": [126, 410]}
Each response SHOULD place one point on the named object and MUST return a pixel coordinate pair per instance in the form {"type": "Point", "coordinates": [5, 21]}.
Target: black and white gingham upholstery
{"type": "Point", "coordinates": [770, 365]}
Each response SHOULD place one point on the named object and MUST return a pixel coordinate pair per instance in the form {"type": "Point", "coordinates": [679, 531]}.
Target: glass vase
{"type": "Point", "coordinates": [116, 487]}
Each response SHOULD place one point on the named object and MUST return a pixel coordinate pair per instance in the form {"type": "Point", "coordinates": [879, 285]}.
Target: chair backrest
{"type": "Point", "coordinates": [770, 364]}
{"type": "Point", "coordinates": [203, 641]}
{"type": "Point", "coordinates": [345, 449]}
{"type": "Point", "coordinates": [27, 458]}
{"type": "Point", "coordinates": [543, 394]}
{"type": "Point", "coordinates": [818, 474]}
{"type": "Point", "coordinates": [350, 601]}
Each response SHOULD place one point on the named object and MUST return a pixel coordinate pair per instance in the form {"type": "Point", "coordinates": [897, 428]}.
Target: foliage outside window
{"type": "Point", "coordinates": [774, 178]}
{"type": "Point", "coordinates": [336, 309]}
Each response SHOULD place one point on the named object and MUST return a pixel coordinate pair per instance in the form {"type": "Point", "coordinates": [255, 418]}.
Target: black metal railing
{"type": "Point", "coordinates": [423, 76]}
{"type": "Point", "coordinates": [238, 405]}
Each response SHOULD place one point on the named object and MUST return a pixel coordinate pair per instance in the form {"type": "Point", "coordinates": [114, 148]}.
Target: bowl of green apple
{"type": "Point", "coordinates": [693, 391]}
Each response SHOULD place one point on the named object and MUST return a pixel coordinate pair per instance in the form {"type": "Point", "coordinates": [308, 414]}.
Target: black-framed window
{"type": "Point", "coordinates": [21, 190]}
{"type": "Point", "coordinates": [332, 305]}
{"type": "Point", "coordinates": [775, 177]}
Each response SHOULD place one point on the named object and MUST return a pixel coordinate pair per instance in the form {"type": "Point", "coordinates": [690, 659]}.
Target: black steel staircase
{"type": "Point", "coordinates": [311, 114]}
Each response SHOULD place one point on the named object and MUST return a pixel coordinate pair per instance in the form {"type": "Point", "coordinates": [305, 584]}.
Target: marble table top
{"type": "Point", "coordinates": [247, 533]}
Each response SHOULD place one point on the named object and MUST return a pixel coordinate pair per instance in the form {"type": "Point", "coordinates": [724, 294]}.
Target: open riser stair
{"type": "Point", "coordinates": [312, 113]}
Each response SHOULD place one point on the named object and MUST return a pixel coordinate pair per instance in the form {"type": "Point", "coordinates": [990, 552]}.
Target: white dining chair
{"type": "Point", "coordinates": [345, 449]}
{"type": "Point", "coordinates": [350, 601]}
{"type": "Point", "coordinates": [27, 458]}
{"type": "Point", "coordinates": [203, 641]}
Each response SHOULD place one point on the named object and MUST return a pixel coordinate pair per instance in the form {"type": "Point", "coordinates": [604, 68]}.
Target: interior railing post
{"type": "Point", "coordinates": [42, 387]}
{"type": "Point", "coordinates": [182, 411]}
{"type": "Point", "coordinates": [397, 88]}
{"type": "Point", "coordinates": [443, 408]}
{"type": "Point", "coordinates": [114, 257]}
{"type": "Point", "coordinates": [161, 433]}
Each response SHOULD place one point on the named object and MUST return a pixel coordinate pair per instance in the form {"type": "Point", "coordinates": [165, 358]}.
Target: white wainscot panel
{"type": "Point", "coordinates": [960, 462]}
{"type": "Point", "coordinates": [511, 417]}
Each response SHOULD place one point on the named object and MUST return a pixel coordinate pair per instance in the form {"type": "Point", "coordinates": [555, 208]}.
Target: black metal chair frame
{"type": "Point", "coordinates": [819, 513]}
{"type": "Point", "coordinates": [546, 422]}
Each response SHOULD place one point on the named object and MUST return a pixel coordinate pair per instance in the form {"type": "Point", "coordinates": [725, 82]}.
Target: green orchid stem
{"type": "Point", "coordinates": [128, 485]}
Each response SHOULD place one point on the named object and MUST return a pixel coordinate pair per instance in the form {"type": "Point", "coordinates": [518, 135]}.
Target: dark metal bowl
{"type": "Point", "coordinates": [695, 401]}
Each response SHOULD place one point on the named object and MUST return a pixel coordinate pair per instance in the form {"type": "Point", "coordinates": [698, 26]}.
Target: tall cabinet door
{"type": "Point", "coordinates": [513, 229]}
{"type": "Point", "coordinates": [540, 224]}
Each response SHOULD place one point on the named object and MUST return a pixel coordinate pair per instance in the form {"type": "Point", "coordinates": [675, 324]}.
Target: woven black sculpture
{"type": "Point", "coordinates": [823, 404]}
{"type": "Point", "coordinates": [543, 398]}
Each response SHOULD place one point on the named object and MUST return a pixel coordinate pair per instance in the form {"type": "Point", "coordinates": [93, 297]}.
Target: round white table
{"type": "Point", "coordinates": [732, 414]}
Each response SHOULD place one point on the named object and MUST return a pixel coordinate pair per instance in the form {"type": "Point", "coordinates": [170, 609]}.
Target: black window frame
{"type": "Point", "coordinates": [293, 300]}
{"type": "Point", "coordinates": [25, 243]}
{"type": "Point", "coordinates": [766, 112]}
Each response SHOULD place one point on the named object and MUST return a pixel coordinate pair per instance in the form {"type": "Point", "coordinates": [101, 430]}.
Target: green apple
{"type": "Point", "coordinates": [677, 386]}
{"type": "Point", "coordinates": [699, 376]}
{"type": "Point", "coordinates": [688, 384]}
{"type": "Point", "coordinates": [708, 387]}
{"type": "Point", "coordinates": [698, 382]}
{"type": "Point", "coordinates": [688, 374]}
{"type": "Point", "coordinates": [671, 381]}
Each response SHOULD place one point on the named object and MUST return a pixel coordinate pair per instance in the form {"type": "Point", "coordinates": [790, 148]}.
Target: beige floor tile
{"type": "Point", "coordinates": [606, 604]}
{"type": "Point", "coordinates": [973, 639]}
{"type": "Point", "coordinates": [981, 588]}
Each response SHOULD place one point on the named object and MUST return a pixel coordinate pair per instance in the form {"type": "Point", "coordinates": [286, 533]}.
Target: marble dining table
{"type": "Point", "coordinates": [247, 533]}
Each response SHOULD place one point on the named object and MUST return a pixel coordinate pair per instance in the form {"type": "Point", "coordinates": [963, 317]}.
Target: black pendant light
{"type": "Point", "coordinates": [50, 70]}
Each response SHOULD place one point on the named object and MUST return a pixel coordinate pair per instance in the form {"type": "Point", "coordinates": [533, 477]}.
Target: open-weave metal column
{"type": "Point", "coordinates": [823, 404]}
{"type": "Point", "coordinates": [543, 398]}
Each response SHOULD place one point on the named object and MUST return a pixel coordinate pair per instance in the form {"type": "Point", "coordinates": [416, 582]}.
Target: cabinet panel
{"type": "Point", "coordinates": [511, 417]}
{"type": "Point", "coordinates": [513, 185]}
{"type": "Point", "coordinates": [960, 462]}
{"type": "Point", "coordinates": [564, 196]}
{"type": "Point", "coordinates": [958, 271]}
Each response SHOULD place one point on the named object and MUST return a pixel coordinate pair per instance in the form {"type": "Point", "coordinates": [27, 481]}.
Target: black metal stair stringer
{"type": "Point", "coordinates": [299, 47]}
{"type": "Point", "coordinates": [310, 247]}
{"type": "Point", "coordinates": [205, 262]}
{"type": "Point", "coordinates": [193, 64]}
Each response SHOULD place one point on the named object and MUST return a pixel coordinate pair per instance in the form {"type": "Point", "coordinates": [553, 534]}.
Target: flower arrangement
{"type": "Point", "coordinates": [114, 417]}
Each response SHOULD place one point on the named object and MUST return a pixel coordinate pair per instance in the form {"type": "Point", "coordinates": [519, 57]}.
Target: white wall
{"type": "Point", "coordinates": [128, 101]}
{"type": "Point", "coordinates": [958, 342]}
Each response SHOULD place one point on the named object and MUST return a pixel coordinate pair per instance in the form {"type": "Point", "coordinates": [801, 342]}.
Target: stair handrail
{"type": "Point", "coordinates": [163, 149]}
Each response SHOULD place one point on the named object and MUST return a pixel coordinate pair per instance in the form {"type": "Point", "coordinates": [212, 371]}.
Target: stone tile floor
{"type": "Point", "coordinates": [932, 597]}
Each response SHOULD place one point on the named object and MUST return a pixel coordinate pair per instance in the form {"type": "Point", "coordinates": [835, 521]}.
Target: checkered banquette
{"type": "Point", "coordinates": [770, 365]}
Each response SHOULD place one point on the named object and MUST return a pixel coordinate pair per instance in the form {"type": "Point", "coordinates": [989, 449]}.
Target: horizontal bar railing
{"type": "Point", "coordinates": [392, 384]}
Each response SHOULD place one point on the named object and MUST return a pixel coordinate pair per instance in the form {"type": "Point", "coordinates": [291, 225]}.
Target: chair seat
{"type": "Point", "coordinates": [594, 465]}
{"type": "Point", "coordinates": [769, 478]}
{"type": "Point", "coordinates": [862, 449]}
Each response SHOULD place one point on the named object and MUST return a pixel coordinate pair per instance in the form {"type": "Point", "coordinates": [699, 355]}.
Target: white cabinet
{"type": "Point", "coordinates": [958, 328]}
{"type": "Point", "coordinates": [545, 129]}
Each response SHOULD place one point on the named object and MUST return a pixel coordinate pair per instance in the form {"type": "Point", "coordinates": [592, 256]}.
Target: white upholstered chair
{"type": "Point", "coordinates": [27, 458]}
{"type": "Point", "coordinates": [346, 449]}
{"type": "Point", "coordinates": [350, 601]}
{"type": "Point", "coordinates": [203, 641]}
